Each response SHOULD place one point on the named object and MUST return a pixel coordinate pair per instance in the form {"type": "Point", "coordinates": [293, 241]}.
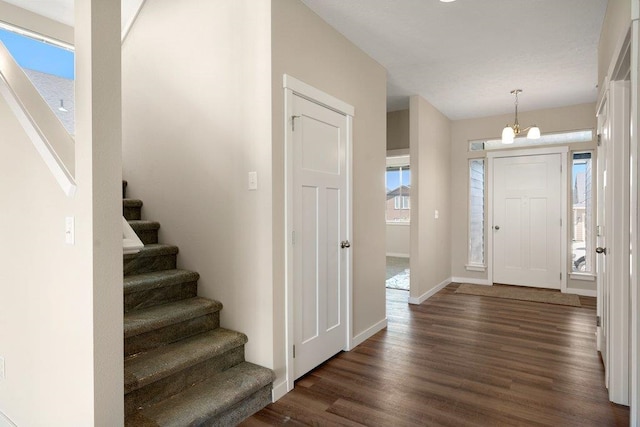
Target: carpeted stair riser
{"type": "Point", "coordinates": [147, 231]}
{"type": "Point", "coordinates": [151, 258]}
{"type": "Point", "coordinates": [223, 400]}
{"type": "Point", "coordinates": [132, 209]}
{"type": "Point", "coordinates": [171, 333]}
{"type": "Point", "coordinates": [182, 380]}
{"type": "Point", "coordinates": [160, 287]}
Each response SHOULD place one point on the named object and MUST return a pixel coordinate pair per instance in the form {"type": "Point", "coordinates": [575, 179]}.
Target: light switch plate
{"type": "Point", "coordinates": [2, 374]}
{"type": "Point", "coordinates": [253, 180]}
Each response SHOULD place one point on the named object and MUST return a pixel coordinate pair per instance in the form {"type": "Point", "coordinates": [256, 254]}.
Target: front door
{"type": "Point", "coordinates": [527, 220]}
{"type": "Point", "coordinates": [320, 246]}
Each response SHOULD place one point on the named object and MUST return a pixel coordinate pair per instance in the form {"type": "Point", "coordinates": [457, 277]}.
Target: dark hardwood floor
{"type": "Point", "coordinates": [461, 360]}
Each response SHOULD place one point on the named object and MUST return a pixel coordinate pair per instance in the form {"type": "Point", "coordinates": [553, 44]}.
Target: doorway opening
{"type": "Point", "coordinates": [398, 220]}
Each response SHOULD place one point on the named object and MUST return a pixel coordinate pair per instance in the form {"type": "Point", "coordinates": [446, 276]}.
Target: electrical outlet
{"type": "Point", "coordinates": [436, 214]}
{"type": "Point", "coordinates": [253, 180]}
{"type": "Point", "coordinates": [2, 374]}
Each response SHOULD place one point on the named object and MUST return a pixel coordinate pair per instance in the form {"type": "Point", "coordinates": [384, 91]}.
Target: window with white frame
{"type": "Point", "coordinates": [476, 213]}
{"type": "Point", "coordinates": [582, 215]}
{"type": "Point", "coordinates": [398, 184]}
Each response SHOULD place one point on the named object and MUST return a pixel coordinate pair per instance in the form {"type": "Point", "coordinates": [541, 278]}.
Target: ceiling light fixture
{"type": "Point", "coordinates": [447, 1]}
{"type": "Point", "coordinates": [511, 131]}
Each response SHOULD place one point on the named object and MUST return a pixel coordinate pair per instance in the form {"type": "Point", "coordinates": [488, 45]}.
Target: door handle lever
{"type": "Point", "coordinates": [601, 250]}
{"type": "Point", "coordinates": [345, 244]}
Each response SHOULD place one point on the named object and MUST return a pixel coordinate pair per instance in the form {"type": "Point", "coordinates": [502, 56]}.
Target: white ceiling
{"type": "Point", "coordinates": [465, 57]}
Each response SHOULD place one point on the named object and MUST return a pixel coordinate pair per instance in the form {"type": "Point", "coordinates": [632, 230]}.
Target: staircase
{"type": "Point", "coordinates": [180, 367]}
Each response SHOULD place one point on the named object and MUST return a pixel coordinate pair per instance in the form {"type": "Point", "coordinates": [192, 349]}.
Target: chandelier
{"type": "Point", "coordinates": [511, 131]}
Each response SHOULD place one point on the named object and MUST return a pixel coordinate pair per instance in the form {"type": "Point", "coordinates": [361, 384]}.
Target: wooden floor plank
{"type": "Point", "coordinates": [461, 360]}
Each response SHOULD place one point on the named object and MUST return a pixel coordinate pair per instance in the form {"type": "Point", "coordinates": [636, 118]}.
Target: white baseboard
{"type": "Point", "coordinates": [422, 298]}
{"type": "Point", "coordinates": [396, 255]}
{"type": "Point", "coordinates": [583, 292]}
{"type": "Point", "coordinates": [368, 333]}
{"type": "Point", "coordinates": [5, 421]}
{"type": "Point", "coordinates": [484, 282]}
{"type": "Point", "coordinates": [279, 390]}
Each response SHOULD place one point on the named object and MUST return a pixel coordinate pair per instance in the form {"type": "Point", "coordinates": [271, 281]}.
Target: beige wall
{"type": "Point", "coordinates": [196, 119]}
{"type": "Point", "coordinates": [615, 26]}
{"type": "Point", "coordinates": [307, 48]}
{"type": "Point", "coordinates": [430, 133]}
{"type": "Point", "coordinates": [61, 305]}
{"type": "Point", "coordinates": [550, 120]}
{"type": "Point", "coordinates": [398, 130]}
{"type": "Point", "coordinates": [398, 240]}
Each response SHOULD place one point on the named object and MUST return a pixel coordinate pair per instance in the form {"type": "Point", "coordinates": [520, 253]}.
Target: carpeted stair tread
{"type": "Point", "coordinates": [140, 321]}
{"type": "Point", "coordinates": [145, 368]}
{"type": "Point", "coordinates": [155, 249]}
{"type": "Point", "coordinates": [158, 279]}
{"type": "Point", "coordinates": [142, 224]}
{"type": "Point", "coordinates": [204, 402]}
{"type": "Point", "coordinates": [131, 203]}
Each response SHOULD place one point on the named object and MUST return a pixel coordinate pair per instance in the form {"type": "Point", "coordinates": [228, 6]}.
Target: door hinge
{"type": "Point", "coordinates": [293, 238]}
{"type": "Point", "coordinates": [598, 321]}
{"type": "Point", "coordinates": [599, 139]}
{"type": "Point", "coordinates": [294, 351]}
{"type": "Point", "coordinates": [293, 123]}
{"type": "Point", "coordinates": [560, 222]}
{"type": "Point", "coordinates": [560, 276]}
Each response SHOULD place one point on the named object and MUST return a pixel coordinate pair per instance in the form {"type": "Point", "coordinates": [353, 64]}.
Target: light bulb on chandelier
{"type": "Point", "coordinates": [511, 131]}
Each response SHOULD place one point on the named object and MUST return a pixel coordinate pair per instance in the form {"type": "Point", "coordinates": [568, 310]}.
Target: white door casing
{"type": "Point", "coordinates": [318, 221]}
{"type": "Point", "coordinates": [601, 267]}
{"type": "Point", "coordinates": [527, 220]}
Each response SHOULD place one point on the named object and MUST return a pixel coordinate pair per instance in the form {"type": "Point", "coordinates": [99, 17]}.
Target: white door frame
{"type": "Point", "coordinates": [491, 156]}
{"type": "Point", "coordinates": [293, 86]}
{"type": "Point", "coordinates": [635, 226]}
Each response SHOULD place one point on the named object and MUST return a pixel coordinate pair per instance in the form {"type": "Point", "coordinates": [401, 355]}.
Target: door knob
{"type": "Point", "coordinates": [601, 250]}
{"type": "Point", "coordinates": [497, 227]}
{"type": "Point", "coordinates": [345, 244]}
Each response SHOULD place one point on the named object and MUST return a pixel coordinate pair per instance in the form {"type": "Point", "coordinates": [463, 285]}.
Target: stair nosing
{"type": "Point", "coordinates": [146, 368]}
{"type": "Point", "coordinates": [198, 401]}
{"type": "Point", "coordinates": [158, 279]}
{"type": "Point", "coordinates": [153, 249]}
{"type": "Point", "coordinates": [143, 224]}
{"type": "Point", "coordinates": [138, 322]}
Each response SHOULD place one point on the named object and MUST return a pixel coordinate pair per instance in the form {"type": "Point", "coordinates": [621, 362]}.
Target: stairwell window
{"type": "Point", "coordinates": [476, 260]}
{"type": "Point", "coordinates": [50, 65]}
{"type": "Point", "coordinates": [398, 184]}
{"type": "Point", "coordinates": [582, 215]}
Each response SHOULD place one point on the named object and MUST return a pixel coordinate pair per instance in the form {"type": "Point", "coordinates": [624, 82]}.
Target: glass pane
{"type": "Point", "coordinates": [51, 70]}
{"type": "Point", "coordinates": [581, 213]}
{"type": "Point", "coordinates": [476, 211]}
{"type": "Point", "coordinates": [398, 180]}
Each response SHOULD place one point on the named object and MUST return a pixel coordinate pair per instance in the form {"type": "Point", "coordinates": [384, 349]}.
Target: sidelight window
{"type": "Point", "coordinates": [476, 214]}
{"type": "Point", "coordinates": [582, 216]}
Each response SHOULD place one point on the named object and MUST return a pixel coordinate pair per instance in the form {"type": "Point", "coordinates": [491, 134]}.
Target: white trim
{"type": "Point", "coordinates": [402, 223]}
{"type": "Point", "coordinates": [131, 243]}
{"type": "Point", "coordinates": [398, 152]}
{"type": "Point", "coordinates": [587, 277]}
{"type": "Point", "coordinates": [422, 298]}
{"type": "Point", "coordinates": [634, 411]}
{"type": "Point", "coordinates": [279, 390]}
{"type": "Point", "coordinates": [564, 199]}
{"type": "Point", "coordinates": [472, 281]}
{"type": "Point", "coordinates": [399, 161]}
{"type": "Point", "coordinates": [398, 255]}
{"type": "Point", "coordinates": [315, 95]}
{"type": "Point", "coordinates": [367, 333]}
{"type": "Point", "coordinates": [126, 26]}
{"type": "Point", "coordinates": [475, 267]}
{"type": "Point", "coordinates": [292, 87]}
{"type": "Point", "coordinates": [583, 292]}
{"type": "Point", "coordinates": [5, 421]}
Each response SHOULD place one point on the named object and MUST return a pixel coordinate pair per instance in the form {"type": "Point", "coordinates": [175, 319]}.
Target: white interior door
{"type": "Point", "coordinates": [527, 220]}
{"type": "Point", "coordinates": [601, 265]}
{"type": "Point", "coordinates": [320, 245]}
